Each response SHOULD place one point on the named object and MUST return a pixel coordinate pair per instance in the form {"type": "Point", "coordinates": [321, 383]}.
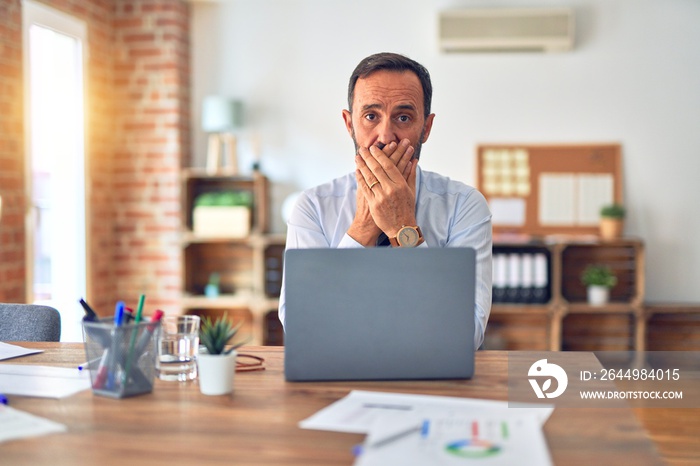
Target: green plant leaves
{"type": "Point", "coordinates": [225, 199]}
{"type": "Point", "coordinates": [214, 335]}
{"type": "Point", "coordinates": [600, 275]}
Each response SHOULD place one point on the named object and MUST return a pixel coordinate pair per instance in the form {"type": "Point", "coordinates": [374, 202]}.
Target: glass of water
{"type": "Point", "coordinates": [177, 348]}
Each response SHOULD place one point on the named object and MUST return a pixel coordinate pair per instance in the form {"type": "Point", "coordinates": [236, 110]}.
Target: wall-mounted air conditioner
{"type": "Point", "coordinates": [492, 30]}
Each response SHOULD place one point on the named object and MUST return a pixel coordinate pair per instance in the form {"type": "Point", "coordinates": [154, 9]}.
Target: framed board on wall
{"type": "Point", "coordinates": [549, 189]}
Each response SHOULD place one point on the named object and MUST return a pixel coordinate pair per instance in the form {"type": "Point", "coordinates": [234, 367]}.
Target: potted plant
{"type": "Point", "coordinates": [224, 214]}
{"type": "Point", "coordinates": [611, 221]}
{"type": "Point", "coordinates": [217, 365]}
{"type": "Point", "coordinates": [211, 290]}
{"type": "Point", "coordinates": [598, 280]}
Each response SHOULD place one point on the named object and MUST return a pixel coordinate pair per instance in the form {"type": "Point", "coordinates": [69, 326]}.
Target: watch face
{"type": "Point", "coordinates": [407, 237]}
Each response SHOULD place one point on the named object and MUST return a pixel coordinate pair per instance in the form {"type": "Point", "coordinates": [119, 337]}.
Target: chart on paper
{"type": "Point", "coordinates": [460, 439]}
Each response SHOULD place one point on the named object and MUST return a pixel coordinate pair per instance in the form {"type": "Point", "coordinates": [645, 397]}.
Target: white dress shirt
{"type": "Point", "coordinates": [449, 214]}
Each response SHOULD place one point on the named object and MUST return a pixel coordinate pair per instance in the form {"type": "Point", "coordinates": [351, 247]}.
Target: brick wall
{"type": "Point", "coordinates": [138, 138]}
{"type": "Point", "coordinates": [152, 98]}
{"type": "Point", "coordinates": [12, 270]}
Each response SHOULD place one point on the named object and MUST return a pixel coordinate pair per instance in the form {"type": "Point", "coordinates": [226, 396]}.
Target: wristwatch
{"type": "Point", "coordinates": [407, 237]}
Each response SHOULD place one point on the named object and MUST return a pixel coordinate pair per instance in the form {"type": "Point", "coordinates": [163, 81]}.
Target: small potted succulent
{"type": "Point", "coordinates": [598, 280]}
{"type": "Point", "coordinates": [217, 364]}
{"type": "Point", "coordinates": [211, 290]}
{"type": "Point", "coordinates": [612, 218]}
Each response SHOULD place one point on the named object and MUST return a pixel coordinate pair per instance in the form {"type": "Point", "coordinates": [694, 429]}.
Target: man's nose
{"type": "Point", "coordinates": [385, 134]}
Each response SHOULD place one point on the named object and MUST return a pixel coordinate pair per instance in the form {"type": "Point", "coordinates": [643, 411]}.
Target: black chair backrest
{"type": "Point", "coordinates": [29, 322]}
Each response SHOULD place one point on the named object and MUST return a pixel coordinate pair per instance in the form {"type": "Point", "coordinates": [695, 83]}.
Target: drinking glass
{"type": "Point", "coordinates": [177, 348]}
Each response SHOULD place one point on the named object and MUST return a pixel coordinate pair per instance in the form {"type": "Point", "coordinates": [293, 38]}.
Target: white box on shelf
{"type": "Point", "coordinates": [221, 221]}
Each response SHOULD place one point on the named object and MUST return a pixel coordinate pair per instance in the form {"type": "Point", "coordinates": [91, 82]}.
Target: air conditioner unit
{"type": "Point", "coordinates": [491, 30]}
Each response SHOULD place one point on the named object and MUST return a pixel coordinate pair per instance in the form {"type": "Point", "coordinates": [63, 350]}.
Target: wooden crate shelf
{"type": "Point", "coordinates": [566, 309]}
{"type": "Point", "coordinates": [245, 283]}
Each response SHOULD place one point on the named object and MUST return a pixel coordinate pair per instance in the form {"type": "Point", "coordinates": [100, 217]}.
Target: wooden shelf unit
{"type": "Point", "coordinates": [245, 281]}
{"type": "Point", "coordinates": [567, 259]}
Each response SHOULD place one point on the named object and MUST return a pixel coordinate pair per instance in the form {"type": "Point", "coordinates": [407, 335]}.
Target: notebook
{"type": "Point", "coordinates": [379, 313]}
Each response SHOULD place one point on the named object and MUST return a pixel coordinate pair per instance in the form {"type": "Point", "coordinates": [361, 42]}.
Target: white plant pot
{"type": "Point", "coordinates": [598, 295]}
{"type": "Point", "coordinates": [216, 373]}
{"type": "Point", "coordinates": [215, 221]}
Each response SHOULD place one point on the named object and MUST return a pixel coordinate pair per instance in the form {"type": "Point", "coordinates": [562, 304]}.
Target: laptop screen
{"type": "Point", "coordinates": [379, 313]}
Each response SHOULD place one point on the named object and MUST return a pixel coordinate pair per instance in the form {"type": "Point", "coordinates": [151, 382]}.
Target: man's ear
{"type": "Point", "coordinates": [347, 117]}
{"type": "Point", "coordinates": [427, 127]}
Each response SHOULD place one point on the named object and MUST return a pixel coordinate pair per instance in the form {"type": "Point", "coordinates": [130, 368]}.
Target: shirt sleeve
{"type": "Point", "coordinates": [472, 228]}
{"type": "Point", "coordinates": [305, 231]}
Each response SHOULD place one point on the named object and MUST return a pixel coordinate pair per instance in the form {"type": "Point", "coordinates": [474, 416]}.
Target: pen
{"type": "Point", "coordinates": [387, 406]}
{"type": "Point", "coordinates": [422, 428]}
{"type": "Point", "coordinates": [119, 314]}
{"type": "Point", "coordinates": [137, 319]}
{"type": "Point", "coordinates": [3, 400]}
{"type": "Point", "coordinates": [87, 364]}
{"type": "Point", "coordinates": [139, 309]}
{"type": "Point", "coordinates": [394, 437]}
{"type": "Point", "coordinates": [116, 333]}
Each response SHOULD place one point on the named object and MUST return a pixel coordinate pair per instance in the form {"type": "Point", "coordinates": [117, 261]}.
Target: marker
{"type": "Point", "coordinates": [146, 337]}
{"type": "Point", "coordinates": [102, 370]}
{"type": "Point", "coordinates": [137, 319]}
{"type": "Point", "coordinates": [89, 313]}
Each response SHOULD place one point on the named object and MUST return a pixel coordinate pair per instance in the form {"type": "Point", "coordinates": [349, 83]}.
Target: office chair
{"type": "Point", "coordinates": [29, 322]}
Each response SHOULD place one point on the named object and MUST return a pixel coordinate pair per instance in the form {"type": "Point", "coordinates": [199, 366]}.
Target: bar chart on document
{"type": "Point", "coordinates": [462, 440]}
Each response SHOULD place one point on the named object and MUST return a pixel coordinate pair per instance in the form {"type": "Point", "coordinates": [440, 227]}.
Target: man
{"type": "Point", "coordinates": [389, 200]}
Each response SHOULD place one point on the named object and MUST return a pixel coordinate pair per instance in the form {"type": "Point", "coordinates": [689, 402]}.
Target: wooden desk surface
{"type": "Point", "coordinates": [258, 423]}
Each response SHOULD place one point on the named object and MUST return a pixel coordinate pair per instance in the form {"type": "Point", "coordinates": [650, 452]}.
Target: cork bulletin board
{"type": "Point", "coordinates": [549, 189]}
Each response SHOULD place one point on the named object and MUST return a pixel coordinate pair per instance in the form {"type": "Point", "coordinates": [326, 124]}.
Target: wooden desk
{"type": "Point", "coordinates": [258, 423]}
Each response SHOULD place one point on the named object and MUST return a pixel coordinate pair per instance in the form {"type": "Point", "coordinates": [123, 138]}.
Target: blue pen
{"type": "Point", "coordinates": [3, 400]}
{"type": "Point", "coordinates": [118, 320]}
{"type": "Point", "coordinates": [119, 313]}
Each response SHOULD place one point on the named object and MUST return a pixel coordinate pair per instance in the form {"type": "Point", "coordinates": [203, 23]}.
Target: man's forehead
{"type": "Point", "coordinates": [389, 88]}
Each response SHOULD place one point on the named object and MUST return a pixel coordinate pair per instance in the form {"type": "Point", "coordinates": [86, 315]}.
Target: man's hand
{"type": "Point", "coordinates": [364, 229]}
{"type": "Point", "coordinates": [388, 185]}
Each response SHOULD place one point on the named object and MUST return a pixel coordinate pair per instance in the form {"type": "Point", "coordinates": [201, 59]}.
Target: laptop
{"type": "Point", "coordinates": [379, 314]}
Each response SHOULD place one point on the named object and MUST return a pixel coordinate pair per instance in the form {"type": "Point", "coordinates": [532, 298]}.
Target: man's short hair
{"type": "Point", "coordinates": [392, 62]}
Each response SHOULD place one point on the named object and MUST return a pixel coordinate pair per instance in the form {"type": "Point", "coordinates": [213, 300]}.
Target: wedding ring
{"type": "Point", "coordinates": [376, 182]}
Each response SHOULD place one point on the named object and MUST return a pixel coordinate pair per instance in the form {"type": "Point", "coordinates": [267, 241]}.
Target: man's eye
{"type": "Point", "coordinates": [404, 118]}
{"type": "Point", "coordinates": [370, 116]}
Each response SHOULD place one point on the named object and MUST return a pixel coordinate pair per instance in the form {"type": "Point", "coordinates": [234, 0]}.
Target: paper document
{"type": "Point", "coordinates": [437, 430]}
{"type": "Point", "coordinates": [8, 351]}
{"type": "Point", "coordinates": [360, 410]}
{"type": "Point", "coordinates": [15, 424]}
{"type": "Point", "coordinates": [458, 438]}
{"type": "Point", "coordinates": [42, 381]}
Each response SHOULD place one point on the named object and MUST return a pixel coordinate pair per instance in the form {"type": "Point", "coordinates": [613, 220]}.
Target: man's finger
{"type": "Point", "coordinates": [406, 156]}
{"type": "Point", "coordinates": [367, 179]}
{"type": "Point", "coordinates": [381, 166]}
{"type": "Point", "coordinates": [360, 161]}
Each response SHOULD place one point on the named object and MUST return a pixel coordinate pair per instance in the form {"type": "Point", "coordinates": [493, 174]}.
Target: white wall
{"type": "Point", "coordinates": [633, 78]}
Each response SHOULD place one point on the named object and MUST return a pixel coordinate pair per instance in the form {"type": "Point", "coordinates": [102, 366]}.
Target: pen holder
{"type": "Point", "coordinates": [121, 359]}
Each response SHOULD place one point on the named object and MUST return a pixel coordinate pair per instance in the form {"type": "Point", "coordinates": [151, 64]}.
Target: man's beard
{"type": "Point", "coordinates": [416, 148]}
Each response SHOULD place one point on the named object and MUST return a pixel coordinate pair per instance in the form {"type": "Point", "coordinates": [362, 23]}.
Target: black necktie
{"type": "Point", "coordinates": [383, 241]}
